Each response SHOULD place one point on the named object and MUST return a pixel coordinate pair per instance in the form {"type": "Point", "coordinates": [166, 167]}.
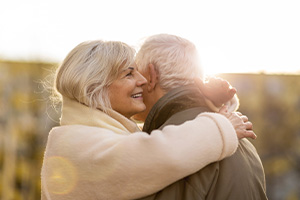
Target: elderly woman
{"type": "Point", "coordinates": [98, 152]}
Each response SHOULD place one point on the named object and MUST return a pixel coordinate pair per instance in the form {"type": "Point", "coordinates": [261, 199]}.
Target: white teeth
{"type": "Point", "coordinates": [136, 95]}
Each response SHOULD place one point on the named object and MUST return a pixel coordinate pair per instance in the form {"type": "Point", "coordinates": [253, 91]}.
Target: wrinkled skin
{"type": "Point", "coordinates": [243, 127]}
{"type": "Point", "coordinates": [218, 90]}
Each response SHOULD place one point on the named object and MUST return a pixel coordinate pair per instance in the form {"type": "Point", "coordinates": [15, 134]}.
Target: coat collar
{"type": "Point", "coordinates": [174, 101]}
{"type": "Point", "coordinates": [74, 112]}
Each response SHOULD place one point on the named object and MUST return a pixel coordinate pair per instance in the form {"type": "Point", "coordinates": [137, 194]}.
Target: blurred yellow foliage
{"type": "Point", "coordinates": [277, 166]}
{"type": "Point", "coordinates": [271, 102]}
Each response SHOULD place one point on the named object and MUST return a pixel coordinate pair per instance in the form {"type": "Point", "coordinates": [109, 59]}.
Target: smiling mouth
{"type": "Point", "coordinates": [139, 95]}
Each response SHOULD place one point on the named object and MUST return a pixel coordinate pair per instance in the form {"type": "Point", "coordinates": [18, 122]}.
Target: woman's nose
{"type": "Point", "coordinates": [141, 80]}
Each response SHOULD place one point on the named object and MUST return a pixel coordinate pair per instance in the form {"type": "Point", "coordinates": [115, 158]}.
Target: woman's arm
{"type": "Point", "coordinates": [114, 166]}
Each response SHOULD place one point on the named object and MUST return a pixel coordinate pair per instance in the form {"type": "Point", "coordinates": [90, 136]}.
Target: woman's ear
{"type": "Point", "coordinates": [153, 77]}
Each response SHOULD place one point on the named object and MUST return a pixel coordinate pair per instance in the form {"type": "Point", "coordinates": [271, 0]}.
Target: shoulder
{"type": "Point", "coordinates": [243, 162]}
{"type": "Point", "coordinates": [78, 129]}
{"type": "Point", "coordinates": [182, 116]}
{"type": "Point", "coordinates": [248, 149]}
{"type": "Point", "coordinates": [77, 135]}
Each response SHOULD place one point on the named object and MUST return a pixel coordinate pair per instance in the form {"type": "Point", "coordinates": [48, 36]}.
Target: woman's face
{"type": "Point", "coordinates": [125, 93]}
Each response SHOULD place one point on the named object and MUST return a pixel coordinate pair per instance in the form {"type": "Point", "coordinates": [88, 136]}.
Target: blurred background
{"type": "Point", "coordinates": [255, 45]}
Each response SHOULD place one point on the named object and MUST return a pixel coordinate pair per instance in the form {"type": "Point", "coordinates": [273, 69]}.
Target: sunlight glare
{"type": "Point", "coordinates": [214, 61]}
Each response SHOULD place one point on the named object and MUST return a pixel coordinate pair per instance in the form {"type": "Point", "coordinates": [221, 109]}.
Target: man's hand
{"type": "Point", "coordinates": [242, 126]}
{"type": "Point", "coordinates": [217, 90]}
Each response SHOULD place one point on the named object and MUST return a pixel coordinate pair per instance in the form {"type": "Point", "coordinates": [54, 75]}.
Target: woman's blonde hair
{"type": "Point", "coordinates": [90, 68]}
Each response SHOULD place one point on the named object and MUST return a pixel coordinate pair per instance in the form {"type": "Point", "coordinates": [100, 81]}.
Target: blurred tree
{"type": "Point", "coordinates": [24, 125]}
{"type": "Point", "coordinates": [272, 103]}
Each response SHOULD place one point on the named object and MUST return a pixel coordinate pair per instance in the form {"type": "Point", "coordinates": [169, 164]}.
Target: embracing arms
{"type": "Point", "coordinates": [114, 166]}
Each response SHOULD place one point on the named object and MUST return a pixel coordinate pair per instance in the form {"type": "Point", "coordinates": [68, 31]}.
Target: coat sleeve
{"type": "Point", "coordinates": [114, 166]}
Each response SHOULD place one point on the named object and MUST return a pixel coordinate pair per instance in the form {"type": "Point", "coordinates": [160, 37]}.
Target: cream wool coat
{"type": "Point", "coordinates": [93, 155]}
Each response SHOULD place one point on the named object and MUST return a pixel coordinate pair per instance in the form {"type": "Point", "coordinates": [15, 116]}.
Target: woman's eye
{"type": "Point", "coordinates": [129, 74]}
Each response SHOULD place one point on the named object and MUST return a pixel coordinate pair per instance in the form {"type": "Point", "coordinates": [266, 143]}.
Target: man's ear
{"type": "Point", "coordinates": [153, 77]}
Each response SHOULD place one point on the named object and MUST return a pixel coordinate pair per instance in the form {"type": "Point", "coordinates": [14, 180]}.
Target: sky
{"type": "Point", "coordinates": [232, 36]}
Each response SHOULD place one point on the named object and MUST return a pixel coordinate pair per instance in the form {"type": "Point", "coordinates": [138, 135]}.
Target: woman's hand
{"type": "Point", "coordinates": [217, 90]}
{"type": "Point", "coordinates": [242, 126]}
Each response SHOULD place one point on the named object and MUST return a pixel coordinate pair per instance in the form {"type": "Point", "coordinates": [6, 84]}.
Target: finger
{"type": "Point", "coordinates": [225, 84]}
{"type": "Point", "coordinates": [244, 118]}
{"type": "Point", "coordinates": [239, 113]}
{"type": "Point", "coordinates": [249, 125]}
{"type": "Point", "coordinates": [250, 134]}
{"type": "Point", "coordinates": [232, 92]}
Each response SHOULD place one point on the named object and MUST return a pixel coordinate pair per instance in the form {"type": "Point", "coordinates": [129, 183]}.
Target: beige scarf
{"type": "Point", "coordinates": [74, 112]}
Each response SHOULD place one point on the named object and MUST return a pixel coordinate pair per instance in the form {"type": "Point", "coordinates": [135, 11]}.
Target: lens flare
{"type": "Point", "coordinates": [61, 175]}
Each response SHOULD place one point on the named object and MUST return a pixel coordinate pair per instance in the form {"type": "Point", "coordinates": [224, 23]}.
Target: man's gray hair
{"type": "Point", "coordinates": [175, 59]}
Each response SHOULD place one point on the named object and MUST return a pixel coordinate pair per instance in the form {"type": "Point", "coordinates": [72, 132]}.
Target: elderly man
{"type": "Point", "coordinates": [170, 64]}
